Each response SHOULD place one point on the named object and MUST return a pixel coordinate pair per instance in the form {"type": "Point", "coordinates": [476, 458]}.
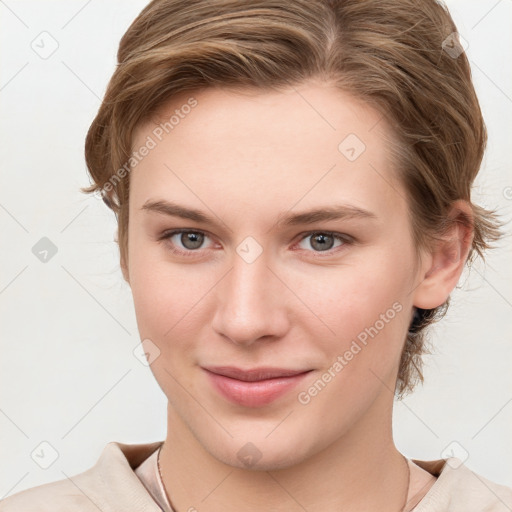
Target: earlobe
{"type": "Point", "coordinates": [124, 270]}
{"type": "Point", "coordinates": [123, 263]}
{"type": "Point", "coordinates": [446, 260]}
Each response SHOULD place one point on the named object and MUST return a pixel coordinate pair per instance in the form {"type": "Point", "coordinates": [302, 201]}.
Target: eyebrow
{"type": "Point", "coordinates": [335, 212]}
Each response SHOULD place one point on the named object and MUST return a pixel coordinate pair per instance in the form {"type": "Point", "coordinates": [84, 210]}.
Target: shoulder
{"type": "Point", "coordinates": [459, 489]}
{"type": "Point", "coordinates": [55, 496]}
{"type": "Point", "coordinates": [111, 484]}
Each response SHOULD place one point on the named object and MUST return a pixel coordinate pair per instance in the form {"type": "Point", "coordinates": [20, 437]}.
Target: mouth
{"type": "Point", "coordinates": [253, 387]}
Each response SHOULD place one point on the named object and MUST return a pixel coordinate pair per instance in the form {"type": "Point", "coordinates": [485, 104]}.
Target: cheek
{"type": "Point", "coordinates": [169, 299]}
{"type": "Point", "coordinates": [361, 359]}
{"type": "Point", "coordinates": [166, 307]}
{"type": "Point", "coordinates": [351, 298]}
{"type": "Point", "coordinates": [160, 294]}
{"type": "Point", "coordinates": [366, 306]}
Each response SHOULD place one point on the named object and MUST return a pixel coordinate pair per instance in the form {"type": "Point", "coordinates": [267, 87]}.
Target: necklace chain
{"type": "Point", "coordinates": [403, 509]}
{"type": "Point", "coordinates": [408, 484]}
{"type": "Point", "coordinates": [162, 480]}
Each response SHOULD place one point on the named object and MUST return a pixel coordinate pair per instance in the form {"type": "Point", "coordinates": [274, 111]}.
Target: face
{"type": "Point", "coordinates": [269, 230]}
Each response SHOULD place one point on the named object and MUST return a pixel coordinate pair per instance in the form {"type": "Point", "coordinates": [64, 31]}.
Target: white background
{"type": "Point", "coordinates": [68, 375]}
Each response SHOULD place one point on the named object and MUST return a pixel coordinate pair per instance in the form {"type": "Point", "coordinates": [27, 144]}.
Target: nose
{"type": "Point", "coordinates": [252, 303]}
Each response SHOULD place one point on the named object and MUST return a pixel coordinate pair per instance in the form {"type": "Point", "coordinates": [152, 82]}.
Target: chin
{"type": "Point", "coordinates": [259, 454]}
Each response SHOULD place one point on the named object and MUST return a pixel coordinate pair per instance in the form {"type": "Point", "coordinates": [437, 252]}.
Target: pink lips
{"type": "Point", "coordinates": [255, 387]}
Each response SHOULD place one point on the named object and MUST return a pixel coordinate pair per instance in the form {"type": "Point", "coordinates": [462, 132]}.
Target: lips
{"type": "Point", "coordinates": [254, 387]}
{"type": "Point", "coordinates": [254, 374]}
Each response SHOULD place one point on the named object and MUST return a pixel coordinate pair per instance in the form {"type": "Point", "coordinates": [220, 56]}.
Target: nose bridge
{"type": "Point", "coordinates": [250, 306]}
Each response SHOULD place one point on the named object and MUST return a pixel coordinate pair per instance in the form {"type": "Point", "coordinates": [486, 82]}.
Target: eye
{"type": "Point", "coordinates": [324, 241]}
{"type": "Point", "coordinates": [187, 242]}
{"type": "Point", "coordinates": [184, 241]}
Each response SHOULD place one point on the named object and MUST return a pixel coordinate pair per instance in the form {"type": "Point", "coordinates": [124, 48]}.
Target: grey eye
{"type": "Point", "coordinates": [191, 239]}
{"type": "Point", "coordinates": [321, 242]}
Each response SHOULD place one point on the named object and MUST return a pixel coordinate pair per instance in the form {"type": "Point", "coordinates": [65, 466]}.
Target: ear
{"type": "Point", "coordinates": [123, 262]}
{"type": "Point", "coordinates": [124, 270]}
{"type": "Point", "coordinates": [444, 262]}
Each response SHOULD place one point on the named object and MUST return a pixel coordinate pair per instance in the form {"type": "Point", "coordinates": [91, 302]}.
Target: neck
{"type": "Point", "coordinates": [362, 470]}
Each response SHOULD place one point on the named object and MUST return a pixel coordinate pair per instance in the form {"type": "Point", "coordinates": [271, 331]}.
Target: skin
{"type": "Point", "coordinates": [248, 158]}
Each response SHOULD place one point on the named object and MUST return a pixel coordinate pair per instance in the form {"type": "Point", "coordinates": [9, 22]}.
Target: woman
{"type": "Point", "coordinates": [292, 187]}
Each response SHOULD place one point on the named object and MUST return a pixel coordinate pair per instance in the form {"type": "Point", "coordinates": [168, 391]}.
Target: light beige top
{"type": "Point", "coordinates": [120, 482]}
{"type": "Point", "coordinates": [150, 477]}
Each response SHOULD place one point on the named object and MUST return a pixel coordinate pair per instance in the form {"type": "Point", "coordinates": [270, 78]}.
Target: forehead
{"type": "Point", "coordinates": [267, 151]}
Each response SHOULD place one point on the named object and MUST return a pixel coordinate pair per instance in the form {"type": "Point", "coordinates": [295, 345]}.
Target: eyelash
{"type": "Point", "coordinates": [346, 239]}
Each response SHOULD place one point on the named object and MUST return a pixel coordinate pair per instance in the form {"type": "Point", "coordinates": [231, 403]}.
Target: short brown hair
{"type": "Point", "coordinates": [401, 56]}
